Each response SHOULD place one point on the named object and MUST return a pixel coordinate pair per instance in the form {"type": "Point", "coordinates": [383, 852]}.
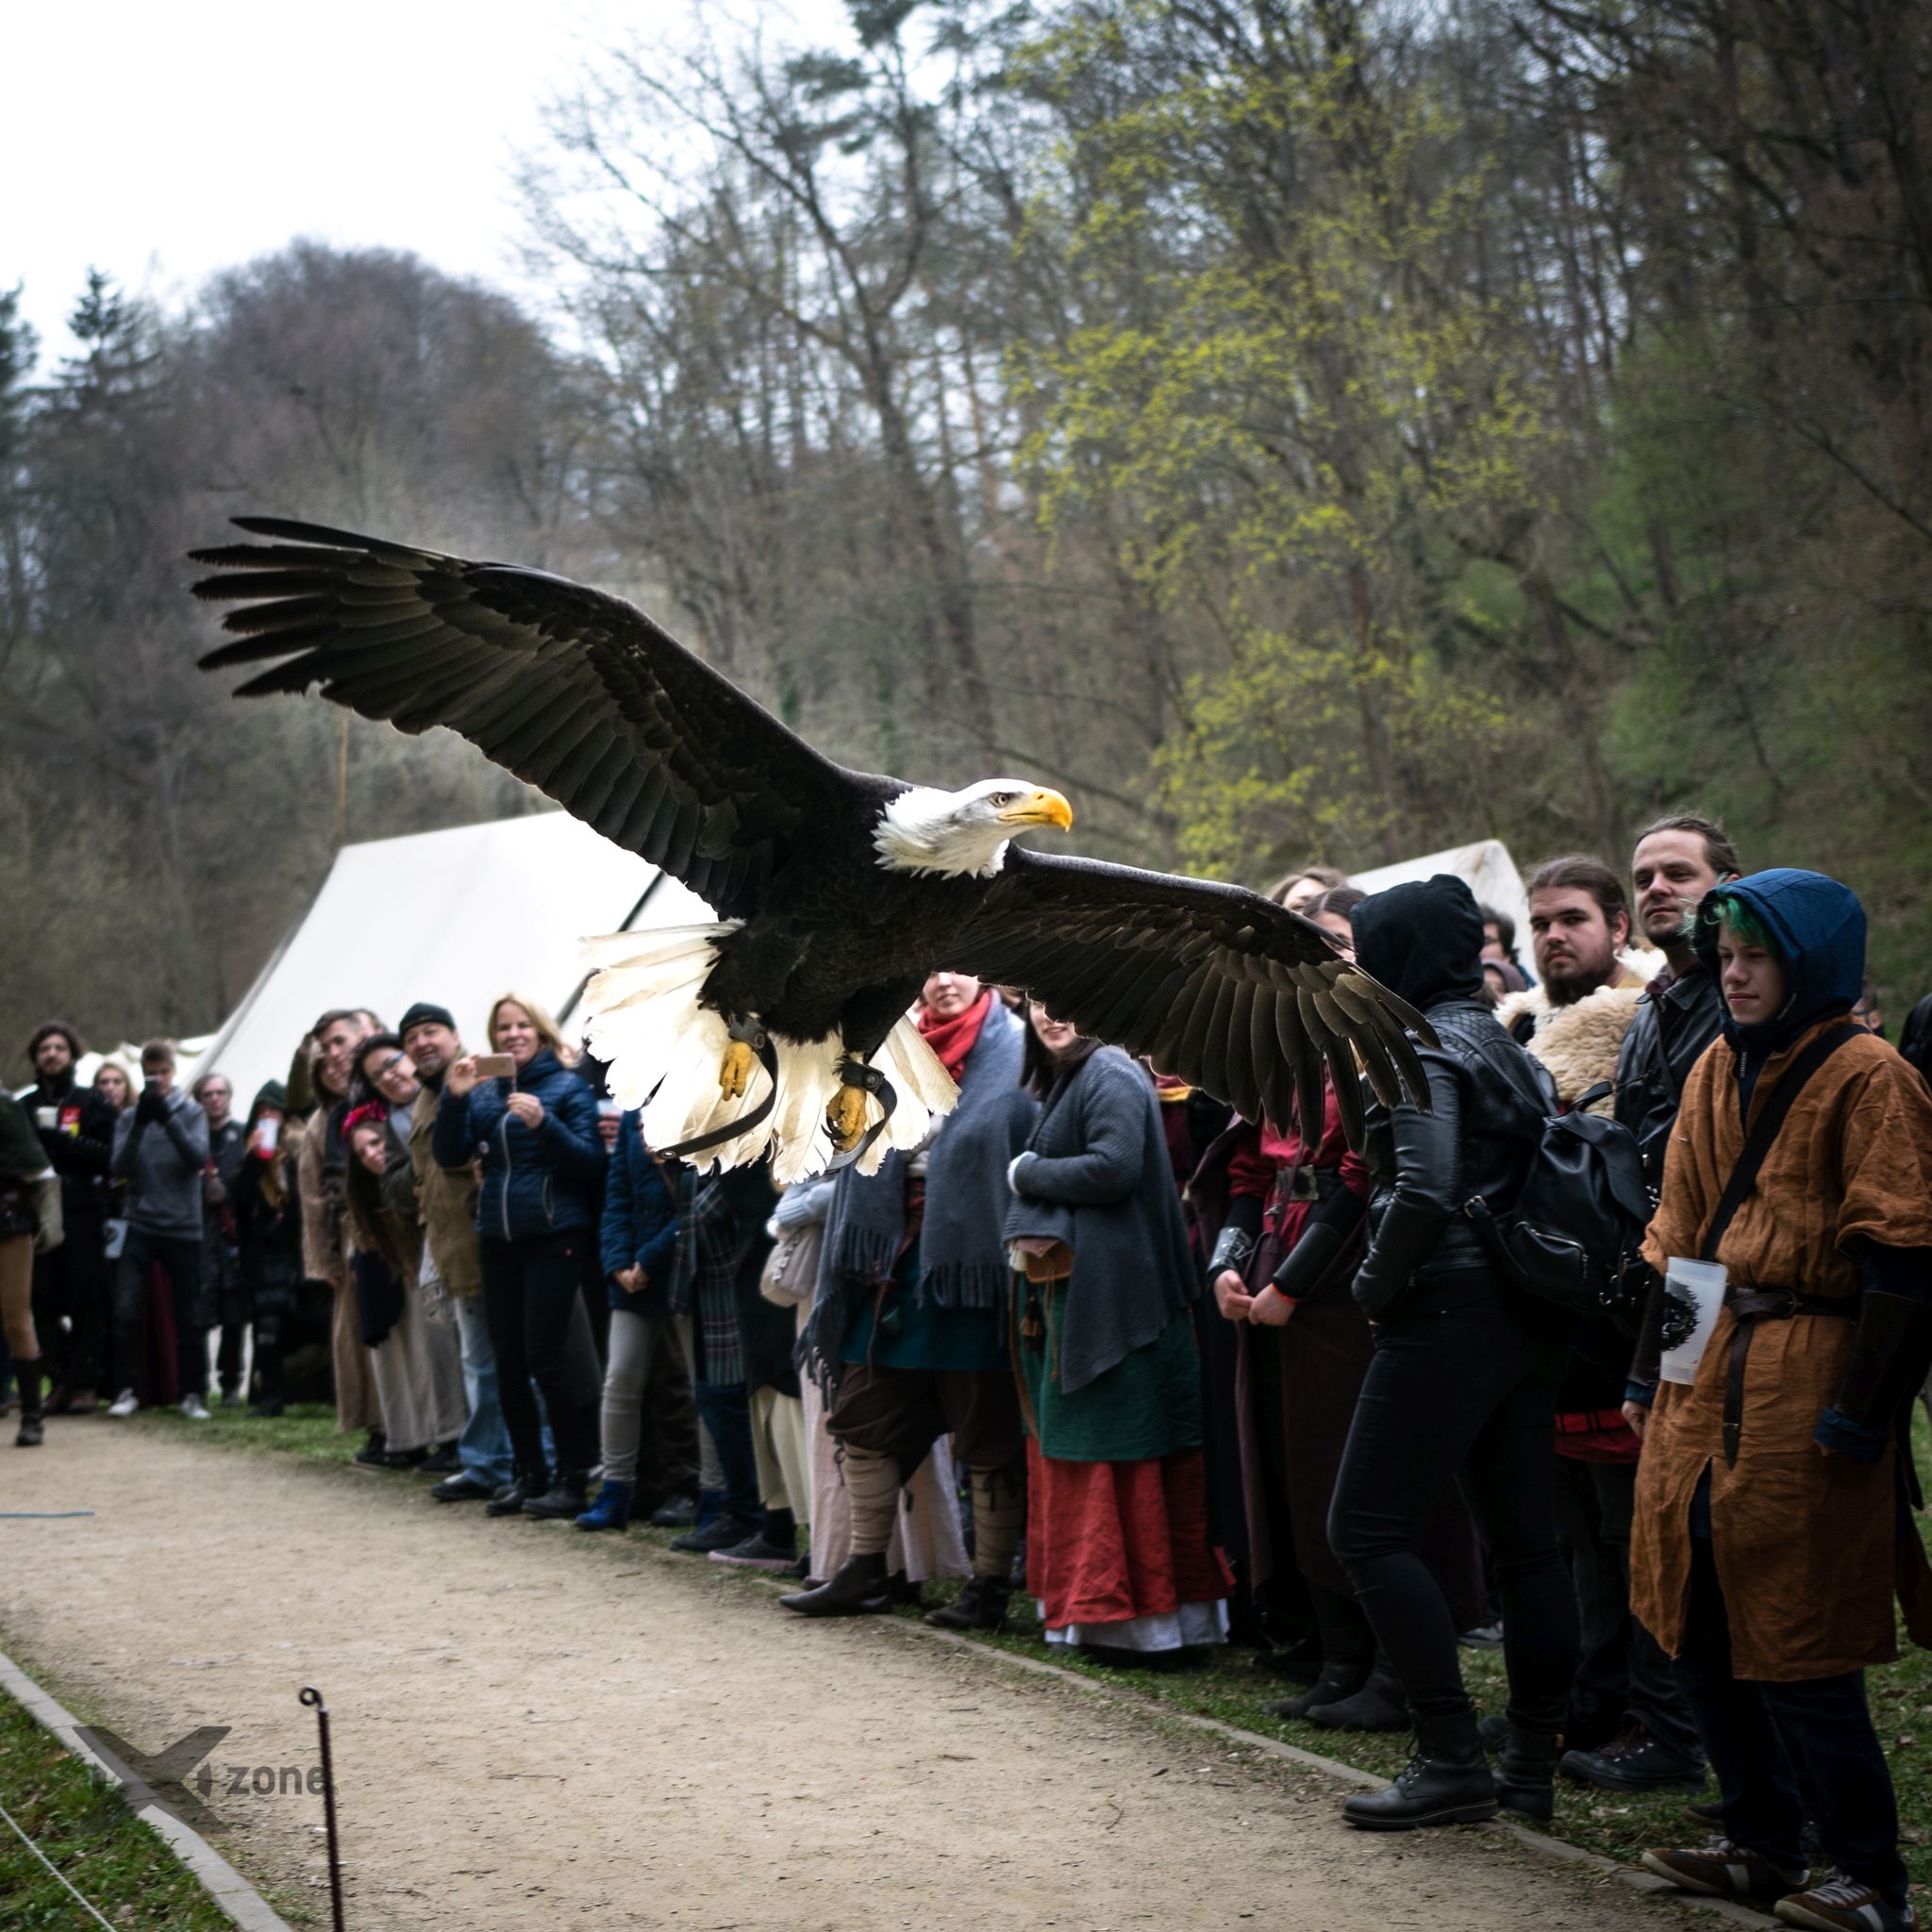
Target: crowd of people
{"type": "Point", "coordinates": [1184, 1378]}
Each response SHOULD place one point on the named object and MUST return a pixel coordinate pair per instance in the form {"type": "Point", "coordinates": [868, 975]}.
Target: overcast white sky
{"type": "Point", "coordinates": [161, 141]}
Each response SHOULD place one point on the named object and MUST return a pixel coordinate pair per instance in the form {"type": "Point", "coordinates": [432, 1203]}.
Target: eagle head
{"type": "Point", "coordinates": [967, 832]}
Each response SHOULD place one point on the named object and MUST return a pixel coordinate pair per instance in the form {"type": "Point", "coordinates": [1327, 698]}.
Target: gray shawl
{"type": "Point", "coordinates": [961, 1256]}
{"type": "Point", "coordinates": [1098, 1176]}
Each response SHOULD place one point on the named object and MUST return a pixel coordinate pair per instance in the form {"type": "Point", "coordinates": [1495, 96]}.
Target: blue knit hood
{"type": "Point", "coordinates": [1818, 927]}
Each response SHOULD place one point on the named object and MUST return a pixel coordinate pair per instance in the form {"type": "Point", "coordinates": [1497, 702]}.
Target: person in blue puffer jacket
{"type": "Point", "coordinates": [536, 1135]}
{"type": "Point", "coordinates": [647, 1250]}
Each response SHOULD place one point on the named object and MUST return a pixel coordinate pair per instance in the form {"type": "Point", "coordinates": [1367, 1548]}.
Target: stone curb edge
{"type": "Point", "coordinates": [219, 1879]}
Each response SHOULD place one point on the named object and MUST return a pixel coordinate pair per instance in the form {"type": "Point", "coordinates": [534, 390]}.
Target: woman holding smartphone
{"type": "Point", "coordinates": [533, 1122]}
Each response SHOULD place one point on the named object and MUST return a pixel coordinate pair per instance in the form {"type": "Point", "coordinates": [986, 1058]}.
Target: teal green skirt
{"type": "Point", "coordinates": [1148, 1404]}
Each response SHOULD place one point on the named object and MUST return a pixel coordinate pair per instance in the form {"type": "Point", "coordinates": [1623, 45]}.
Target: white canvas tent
{"type": "Point", "coordinates": [1488, 867]}
{"type": "Point", "coordinates": [453, 917]}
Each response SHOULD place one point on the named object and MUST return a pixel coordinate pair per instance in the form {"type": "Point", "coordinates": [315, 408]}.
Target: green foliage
{"type": "Point", "coordinates": [1312, 426]}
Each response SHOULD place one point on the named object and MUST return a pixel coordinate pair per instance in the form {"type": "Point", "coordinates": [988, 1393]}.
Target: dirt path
{"type": "Point", "coordinates": [537, 1728]}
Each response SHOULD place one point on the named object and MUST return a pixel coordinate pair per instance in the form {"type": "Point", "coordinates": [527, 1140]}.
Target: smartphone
{"type": "Point", "coordinates": [495, 1066]}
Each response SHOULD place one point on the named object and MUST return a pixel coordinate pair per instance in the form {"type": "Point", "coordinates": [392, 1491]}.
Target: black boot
{"type": "Point", "coordinates": [1525, 1772]}
{"type": "Point", "coordinates": [525, 1486]}
{"type": "Point", "coordinates": [857, 1591]}
{"type": "Point", "coordinates": [1446, 1782]}
{"type": "Point", "coordinates": [566, 1496]}
{"type": "Point", "coordinates": [1336, 1682]}
{"type": "Point", "coordinates": [981, 1605]}
{"type": "Point", "coordinates": [28, 1376]}
{"type": "Point", "coordinates": [1377, 1706]}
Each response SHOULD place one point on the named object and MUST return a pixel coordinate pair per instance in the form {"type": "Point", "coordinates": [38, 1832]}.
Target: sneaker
{"type": "Point", "coordinates": [759, 1553]}
{"type": "Point", "coordinates": [1484, 1637]}
{"type": "Point", "coordinates": [231, 1398]}
{"type": "Point", "coordinates": [1634, 1762]}
{"type": "Point", "coordinates": [443, 1460]}
{"type": "Point", "coordinates": [194, 1408]}
{"type": "Point", "coordinates": [675, 1512]}
{"type": "Point", "coordinates": [1724, 1869]}
{"type": "Point", "coordinates": [83, 1402]}
{"type": "Point", "coordinates": [1837, 1902]}
{"type": "Point", "coordinates": [374, 1454]}
{"type": "Point", "coordinates": [123, 1404]}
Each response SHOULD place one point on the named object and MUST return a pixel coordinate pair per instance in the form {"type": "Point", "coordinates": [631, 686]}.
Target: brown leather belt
{"type": "Point", "coordinates": [1749, 1307]}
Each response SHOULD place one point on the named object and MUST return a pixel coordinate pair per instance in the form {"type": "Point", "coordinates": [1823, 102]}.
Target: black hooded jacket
{"type": "Point", "coordinates": [1488, 1097]}
{"type": "Point", "coordinates": [79, 1144]}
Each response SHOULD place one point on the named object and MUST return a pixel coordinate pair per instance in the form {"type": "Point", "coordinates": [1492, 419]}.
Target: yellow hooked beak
{"type": "Point", "coordinates": [1041, 808]}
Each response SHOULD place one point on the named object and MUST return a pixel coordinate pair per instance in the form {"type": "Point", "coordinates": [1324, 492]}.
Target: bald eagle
{"type": "Point", "coordinates": [782, 1025]}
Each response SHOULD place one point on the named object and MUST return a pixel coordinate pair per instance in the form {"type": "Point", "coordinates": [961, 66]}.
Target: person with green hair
{"type": "Point", "coordinates": [1770, 1534]}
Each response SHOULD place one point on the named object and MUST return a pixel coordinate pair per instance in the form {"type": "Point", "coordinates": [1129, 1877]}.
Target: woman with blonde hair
{"type": "Point", "coordinates": [115, 1079]}
{"type": "Point", "coordinates": [535, 1131]}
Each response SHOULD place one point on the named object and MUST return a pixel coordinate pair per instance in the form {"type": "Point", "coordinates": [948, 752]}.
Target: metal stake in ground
{"type": "Point", "coordinates": [310, 1695]}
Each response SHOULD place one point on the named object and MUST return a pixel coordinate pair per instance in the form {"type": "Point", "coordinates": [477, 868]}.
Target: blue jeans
{"type": "Point", "coordinates": [1746, 1726]}
{"type": "Point", "coordinates": [725, 1408]}
{"type": "Point", "coordinates": [483, 1448]}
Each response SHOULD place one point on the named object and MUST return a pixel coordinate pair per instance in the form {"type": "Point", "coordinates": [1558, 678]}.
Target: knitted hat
{"type": "Point", "coordinates": [421, 1010]}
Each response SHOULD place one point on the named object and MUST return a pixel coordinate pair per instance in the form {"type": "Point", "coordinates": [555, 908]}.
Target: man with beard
{"type": "Point", "coordinates": [72, 1289]}
{"type": "Point", "coordinates": [1575, 1023]}
{"type": "Point", "coordinates": [1675, 862]}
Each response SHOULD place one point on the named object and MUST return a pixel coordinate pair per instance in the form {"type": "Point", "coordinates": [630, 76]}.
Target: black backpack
{"type": "Point", "coordinates": [1573, 1233]}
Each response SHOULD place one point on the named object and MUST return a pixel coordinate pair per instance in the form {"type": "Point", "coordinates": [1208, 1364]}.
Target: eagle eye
{"type": "Point", "coordinates": [1002, 797]}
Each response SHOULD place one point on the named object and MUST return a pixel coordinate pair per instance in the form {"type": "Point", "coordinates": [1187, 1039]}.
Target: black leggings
{"type": "Point", "coordinates": [1461, 1384]}
{"type": "Point", "coordinates": [530, 1300]}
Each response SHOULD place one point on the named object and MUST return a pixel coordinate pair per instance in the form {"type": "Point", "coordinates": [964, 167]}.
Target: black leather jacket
{"type": "Point", "coordinates": [1666, 1038]}
{"type": "Point", "coordinates": [1489, 1099]}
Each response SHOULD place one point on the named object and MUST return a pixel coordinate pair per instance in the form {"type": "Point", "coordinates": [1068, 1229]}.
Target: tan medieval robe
{"type": "Point", "coordinates": [1807, 1545]}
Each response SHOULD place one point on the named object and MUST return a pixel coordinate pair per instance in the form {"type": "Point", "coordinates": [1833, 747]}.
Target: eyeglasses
{"type": "Point", "coordinates": [388, 1067]}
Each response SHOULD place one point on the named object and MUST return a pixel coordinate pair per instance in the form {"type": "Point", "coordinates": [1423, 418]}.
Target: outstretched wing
{"type": "Point", "coordinates": [1210, 982]}
{"type": "Point", "coordinates": [578, 692]}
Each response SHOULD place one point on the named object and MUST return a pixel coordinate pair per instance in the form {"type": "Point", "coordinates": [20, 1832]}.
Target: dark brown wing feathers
{"type": "Point", "coordinates": [578, 692]}
{"type": "Point", "coordinates": [1212, 983]}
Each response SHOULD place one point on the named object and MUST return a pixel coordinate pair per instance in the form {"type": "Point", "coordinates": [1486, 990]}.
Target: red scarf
{"type": "Point", "coordinates": [952, 1039]}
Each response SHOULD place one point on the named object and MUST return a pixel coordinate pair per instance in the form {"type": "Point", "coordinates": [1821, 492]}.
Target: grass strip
{"type": "Point", "coordinates": [79, 1822]}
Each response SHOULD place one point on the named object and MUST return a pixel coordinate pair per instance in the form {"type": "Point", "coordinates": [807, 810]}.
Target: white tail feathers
{"type": "Point", "coordinates": [647, 1020]}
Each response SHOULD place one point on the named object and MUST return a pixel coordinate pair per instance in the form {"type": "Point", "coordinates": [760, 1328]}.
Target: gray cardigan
{"type": "Point", "coordinates": [161, 1161]}
{"type": "Point", "coordinates": [1097, 1176]}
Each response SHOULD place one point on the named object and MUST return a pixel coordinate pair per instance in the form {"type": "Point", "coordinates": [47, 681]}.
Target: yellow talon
{"type": "Point", "coordinates": [848, 1118]}
{"type": "Point", "coordinates": [735, 1070]}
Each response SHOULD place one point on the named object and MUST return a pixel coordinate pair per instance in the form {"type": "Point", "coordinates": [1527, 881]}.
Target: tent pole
{"type": "Point", "coordinates": [342, 786]}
